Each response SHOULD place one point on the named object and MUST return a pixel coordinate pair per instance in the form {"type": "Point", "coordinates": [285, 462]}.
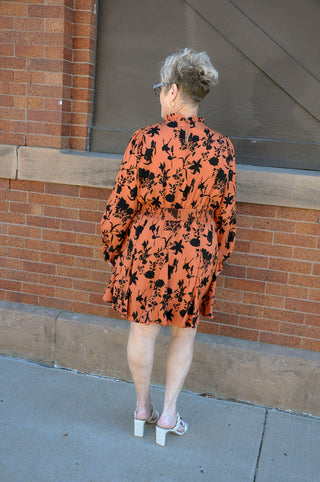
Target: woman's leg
{"type": "Point", "coordinates": [140, 352]}
{"type": "Point", "coordinates": [178, 364]}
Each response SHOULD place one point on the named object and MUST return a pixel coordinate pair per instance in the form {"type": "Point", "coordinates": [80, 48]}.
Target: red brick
{"type": "Point", "coordinates": [91, 264]}
{"type": "Point", "coordinates": [83, 43]}
{"type": "Point", "coordinates": [240, 309]}
{"type": "Point", "coordinates": [11, 9]}
{"type": "Point", "coordinates": [241, 259]}
{"type": "Point", "coordinates": [23, 276]}
{"type": "Point", "coordinates": [207, 327]}
{"type": "Point", "coordinates": [287, 291]}
{"type": "Point", "coordinates": [41, 245]}
{"type": "Point", "coordinates": [78, 226]}
{"type": "Point", "coordinates": [83, 17]}
{"type": "Point", "coordinates": [82, 94]}
{"type": "Point", "coordinates": [237, 332]}
{"type": "Point", "coordinates": [305, 215]}
{"type": "Point", "coordinates": [313, 345]}
{"type": "Point", "coordinates": [81, 119]}
{"type": "Point", "coordinates": [28, 232]}
{"type": "Point", "coordinates": [70, 272]}
{"type": "Point", "coordinates": [34, 186]}
{"type": "Point", "coordinates": [22, 298]}
{"type": "Point", "coordinates": [29, 51]}
{"type": "Point", "coordinates": [234, 271]}
{"type": "Point", "coordinates": [4, 183]}
{"type": "Point", "coordinates": [13, 218]}
{"type": "Point", "coordinates": [26, 208]}
{"type": "Point", "coordinates": [46, 11]}
{"type": "Point", "coordinates": [47, 141]}
{"type": "Point", "coordinates": [282, 315]}
{"type": "Point", "coordinates": [10, 263]}
{"type": "Point", "coordinates": [303, 306]}
{"type": "Point", "coordinates": [301, 280]}
{"type": "Point", "coordinates": [307, 254]}
{"type": "Point", "coordinates": [37, 289]}
{"type": "Point", "coordinates": [10, 285]}
{"type": "Point", "coordinates": [300, 330]}
{"type": "Point", "coordinates": [43, 222]}
{"type": "Point", "coordinates": [63, 190]}
{"type": "Point", "coordinates": [256, 210]}
{"type": "Point", "coordinates": [316, 270]}
{"type": "Point", "coordinates": [88, 240]}
{"type": "Point", "coordinates": [53, 280]}
{"type": "Point", "coordinates": [15, 139]}
{"type": "Point", "coordinates": [267, 275]}
{"type": "Point", "coordinates": [91, 216]}
{"type": "Point", "coordinates": [60, 236]}
{"type": "Point", "coordinates": [313, 320]}
{"type": "Point", "coordinates": [7, 50]}
{"type": "Point", "coordinates": [259, 324]}
{"type": "Point", "coordinates": [228, 295]}
{"type": "Point", "coordinates": [271, 224]}
{"type": "Point", "coordinates": [57, 259]}
{"type": "Point", "coordinates": [263, 300]}
{"type": "Point", "coordinates": [11, 241]}
{"type": "Point", "coordinates": [39, 267]}
{"type": "Point", "coordinates": [29, 24]}
{"type": "Point", "coordinates": [58, 25]}
{"type": "Point", "coordinates": [13, 63]}
{"type": "Point", "coordinates": [80, 203]}
{"type": "Point", "coordinates": [83, 56]}
{"type": "Point", "coordinates": [79, 144]}
{"type": "Point", "coordinates": [245, 285]}
{"type": "Point", "coordinates": [81, 106]}
{"type": "Point", "coordinates": [6, 75]}
{"type": "Point", "coordinates": [23, 254]}
{"type": "Point", "coordinates": [83, 251]}
{"type": "Point", "coordinates": [55, 303]}
{"type": "Point", "coordinates": [312, 229]}
{"type": "Point", "coordinates": [314, 295]}
{"type": "Point", "coordinates": [290, 266]}
{"type": "Point", "coordinates": [84, 5]}
{"type": "Point", "coordinates": [91, 309]}
{"type": "Point", "coordinates": [6, 22]}
{"type": "Point", "coordinates": [12, 113]}
{"type": "Point", "coordinates": [278, 339]}
{"type": "Point", "coordinates": [45, 199]}
{"type": "Point", "coordinates": [12, 36]}
{"type": "Point", "coordinates": [84, 30]}
{"type": "Point", "coordinates": [295, 240]}
{"type": "Point", "coordinates": [254, 235]}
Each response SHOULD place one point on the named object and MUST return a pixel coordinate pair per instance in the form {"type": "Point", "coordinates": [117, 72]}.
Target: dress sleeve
{"type": "Point", "coordinates": [123, 202]}
{"type": "Point", "coordinates": [225, 215]}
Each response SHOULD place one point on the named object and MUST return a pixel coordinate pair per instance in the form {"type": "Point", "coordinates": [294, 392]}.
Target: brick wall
{"type": "Point", "coordinates": [47, 68]}
{"type": "Point", "coordinates": [269, 292]}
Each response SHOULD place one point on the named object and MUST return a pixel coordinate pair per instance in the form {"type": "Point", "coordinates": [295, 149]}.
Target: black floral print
{"type": "Point", "coordinates": [170, 222]}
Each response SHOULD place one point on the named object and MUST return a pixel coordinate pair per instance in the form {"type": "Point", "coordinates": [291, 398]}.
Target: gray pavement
{"type": "Point", "coordinates": [58, 425]}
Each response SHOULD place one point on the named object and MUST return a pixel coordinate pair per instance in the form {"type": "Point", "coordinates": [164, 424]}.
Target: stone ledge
{"type": "Point", "coordinates": [8, 162]}
{"type": "Point", "coordinates": [269, 375]}
{"type": "Point", "coordinates": [258, 185]}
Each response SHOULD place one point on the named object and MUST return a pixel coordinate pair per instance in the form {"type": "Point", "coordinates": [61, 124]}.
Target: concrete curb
{"type": "Point", "coordinates": [269, 375]}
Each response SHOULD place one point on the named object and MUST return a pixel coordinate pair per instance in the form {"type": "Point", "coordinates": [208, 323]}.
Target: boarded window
{"type": "Point", "coordinates": [267, 55]}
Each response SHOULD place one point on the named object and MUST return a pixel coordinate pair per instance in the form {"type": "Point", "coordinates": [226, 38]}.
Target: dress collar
{"type": "Point", "coordinates": [179, 117]}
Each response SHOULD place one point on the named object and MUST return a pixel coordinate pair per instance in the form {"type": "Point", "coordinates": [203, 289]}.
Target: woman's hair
{"type": "Point", "coordinates": [191, 71]}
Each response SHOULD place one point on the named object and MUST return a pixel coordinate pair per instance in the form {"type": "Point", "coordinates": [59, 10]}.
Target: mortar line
{"type": "Point", "coordinates": [261, 444]}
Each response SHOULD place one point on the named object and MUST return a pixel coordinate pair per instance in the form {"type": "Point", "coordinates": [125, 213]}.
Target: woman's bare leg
{"type": "Point", "coordinates": [178, 364]}
{"type": "Point", "coordinates": [140, 352]}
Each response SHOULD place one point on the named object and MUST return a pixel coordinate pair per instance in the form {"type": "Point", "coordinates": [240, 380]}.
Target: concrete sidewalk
{"type": "Point", "coordinates": [58, 425]}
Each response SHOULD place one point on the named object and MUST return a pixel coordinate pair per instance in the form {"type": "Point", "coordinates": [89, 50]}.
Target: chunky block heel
{"type": "Point", "coordinates": [139, 427]}
{"type": "Point", "coordinates": [138, 430]}
{"type": "Point", "coordinates": [161, 433]}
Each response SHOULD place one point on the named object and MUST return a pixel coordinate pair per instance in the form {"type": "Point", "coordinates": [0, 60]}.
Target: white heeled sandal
{"type": "Point", "coordinates": [139, 424]}
{"type": "Point", "coordinates": [161, 433]}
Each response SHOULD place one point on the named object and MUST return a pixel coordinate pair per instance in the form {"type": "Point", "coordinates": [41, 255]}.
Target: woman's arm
{"type": "Point", "coordinates": [225, 215]}
{"type": "Point", "coordinates": [123, 202]}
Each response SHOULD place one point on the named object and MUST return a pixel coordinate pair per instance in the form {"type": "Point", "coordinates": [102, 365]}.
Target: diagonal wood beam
{"type": "Point", "coordinates": [262, 50]}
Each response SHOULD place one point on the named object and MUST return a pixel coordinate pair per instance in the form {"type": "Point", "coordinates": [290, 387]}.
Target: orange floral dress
{"type": "Point", "coordinates": [170, 222]}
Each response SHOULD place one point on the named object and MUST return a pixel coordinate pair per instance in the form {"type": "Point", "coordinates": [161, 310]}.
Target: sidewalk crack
{"type": "Point", "coordinates": [261, 444]}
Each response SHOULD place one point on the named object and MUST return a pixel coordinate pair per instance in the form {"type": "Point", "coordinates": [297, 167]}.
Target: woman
{"type": "Point", "coordinates": [167, 229]}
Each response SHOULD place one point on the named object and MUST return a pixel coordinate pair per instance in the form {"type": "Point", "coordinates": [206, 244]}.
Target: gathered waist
{"type": "Point", "coordinates": [178, 214]}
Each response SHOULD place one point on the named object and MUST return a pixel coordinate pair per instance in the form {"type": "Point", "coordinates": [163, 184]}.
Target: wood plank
{"type": "Point", "coordinates": [256, 45]}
